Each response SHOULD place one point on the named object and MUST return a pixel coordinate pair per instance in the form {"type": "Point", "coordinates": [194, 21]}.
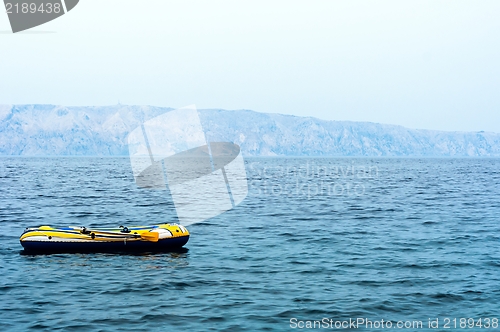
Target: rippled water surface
{"type": "Point", "coordinates": [392, 239]}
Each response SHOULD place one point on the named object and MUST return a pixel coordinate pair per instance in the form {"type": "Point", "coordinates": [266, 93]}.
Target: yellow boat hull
{"type": "Point", "coordinates": [79, 239]}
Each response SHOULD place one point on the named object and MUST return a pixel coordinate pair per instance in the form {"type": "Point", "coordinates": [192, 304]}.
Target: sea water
{"type": "Point", "coordinates": [317, 243]}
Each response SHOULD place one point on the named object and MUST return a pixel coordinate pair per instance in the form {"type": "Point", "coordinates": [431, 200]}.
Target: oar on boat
{"type": "Point", "coordinates": [146, 236]}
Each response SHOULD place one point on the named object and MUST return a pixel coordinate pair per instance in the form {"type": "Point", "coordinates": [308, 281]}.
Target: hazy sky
{"type": "Point", "coordinates": [421, 64]}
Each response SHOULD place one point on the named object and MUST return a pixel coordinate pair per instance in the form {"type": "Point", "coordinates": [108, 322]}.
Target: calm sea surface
{"type": "Point", "coordinates": [377, 239]}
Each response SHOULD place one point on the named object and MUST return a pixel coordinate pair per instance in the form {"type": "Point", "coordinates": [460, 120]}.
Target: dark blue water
{"type": "Point", "coordinates": [393, 239]}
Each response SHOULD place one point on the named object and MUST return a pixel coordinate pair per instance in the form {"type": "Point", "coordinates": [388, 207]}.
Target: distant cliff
{"type": "Point", "coordinates": [36, 130]}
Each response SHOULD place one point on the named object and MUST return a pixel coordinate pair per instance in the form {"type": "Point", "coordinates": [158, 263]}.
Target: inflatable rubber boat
{"type": "Point", "coordinates": [81, 239]}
